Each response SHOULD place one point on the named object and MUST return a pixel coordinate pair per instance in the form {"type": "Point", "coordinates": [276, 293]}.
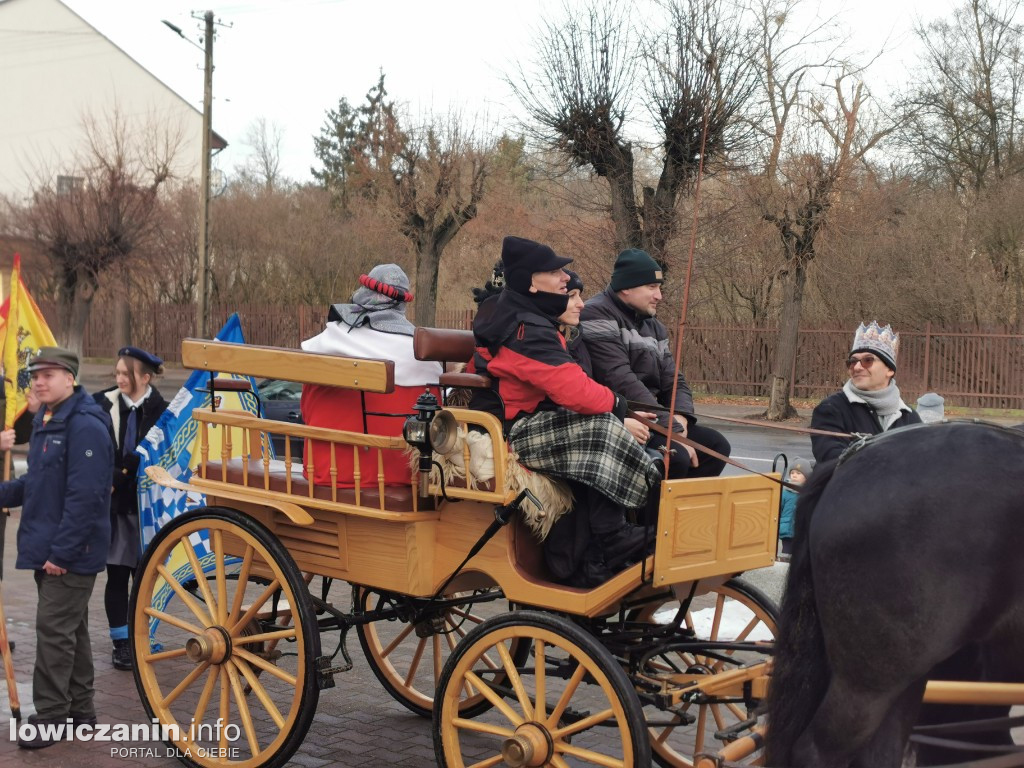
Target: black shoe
{"type": "Point", "coordinates": [81, 719]}
{"type": "Point", "coordinates": [121, 657]}
{"type": "Point", "coordinates": [628, 543]}
{"type": "Point", "coordinates": [39, 741]}
{"type": "Point", "coordinates": [590, 574]}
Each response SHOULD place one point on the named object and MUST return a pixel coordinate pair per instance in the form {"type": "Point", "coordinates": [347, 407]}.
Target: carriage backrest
{"type": "Point", "coordinates": [444, 345]}
{"type": "Point", "coordinates": [289, 364]}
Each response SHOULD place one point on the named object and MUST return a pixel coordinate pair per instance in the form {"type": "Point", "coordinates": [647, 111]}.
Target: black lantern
{"type": "Point", "coordinates": [417, 434]}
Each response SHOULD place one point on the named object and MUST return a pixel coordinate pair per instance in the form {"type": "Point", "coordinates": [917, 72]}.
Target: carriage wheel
{"type": "Point", "coordinates": [569, 703]}
{"type": "Point", "coordinates": [733, 611]}
{"type": "Point", "coordinates": [408, 658]}
{"type": "Point", "coordinates": [206, 665]}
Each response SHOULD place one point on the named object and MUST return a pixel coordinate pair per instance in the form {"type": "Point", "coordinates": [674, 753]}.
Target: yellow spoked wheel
{"type": "Point", "coordinates": [735, 611]}
{"type": "Point", "coordinates": [407, 652]}
{"type": "Point", "coordinates": [569, 704]}
{"type": "Point", "coordinates": [225, 641]}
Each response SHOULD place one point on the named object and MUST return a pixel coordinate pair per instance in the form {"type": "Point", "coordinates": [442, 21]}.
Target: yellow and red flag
{"type": "Point", "coordinates": [24, 332]}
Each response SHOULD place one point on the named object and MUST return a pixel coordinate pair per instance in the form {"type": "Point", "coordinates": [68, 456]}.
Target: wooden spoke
{"type": "Point", "coordinates": [190, 678]}
{"type": "Point", "coordinates": [481, 727]}
{"type": "Point", "coordinates": [567, 694]}
{"type": "Point", "coordinates": [438, 662]}
{"type": "Point", "coordinates": [595, 758]}
{"type": "Point", "coordinates": [490, 761]}
{"type": "Point", "coordinates": [260, 691]}
{"type": "Point", "coordinates": [397, 641]}
{"type": "Point", "coordinates": [516, 680]}
{"type": "Point", "coordinates": [204, 702]}
{"type": "Point", "coordinates": [200, 612]}
{"type": "Point", "coordinates": [539, 680]}
{"type": "Point", "coordinates": [174, 653]}
{"type": "Point", "coordinates": [225, 705]}
{"type": "Point", "coordinates": [583, 724]}
{"type": "Point", "coordinates": [222, 579]}
{"type": "Point", "coordinates": [243, 582]}
{"type": "Point", "coordinates": [197, 571]}
{"type": "Point", "coordinates": [174, 621]}
{"type": "Point", "coordinates": [277, 634]}
{"type": "Point", "coordinates": [243, 709]}
{"type": "Point", "coordinates": [480, 684]}
{"type": "Point", "coordinates": [266, 666]}
{"type": "Point", "coordinates": [250, 614]}
{"type": "Point", "coordinates": [414, 665]}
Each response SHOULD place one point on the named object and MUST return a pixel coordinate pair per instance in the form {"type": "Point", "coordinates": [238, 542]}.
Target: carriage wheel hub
{"type": "Point", "coordinates": [530, 746]}
{"type": "Point", "coordinates": [212, 646]}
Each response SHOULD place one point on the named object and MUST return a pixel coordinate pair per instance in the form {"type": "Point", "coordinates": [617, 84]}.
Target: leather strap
{"type": "Point", "coordinates": [670, 435]}
{"type": "Point", "coordinates": [749, 422]}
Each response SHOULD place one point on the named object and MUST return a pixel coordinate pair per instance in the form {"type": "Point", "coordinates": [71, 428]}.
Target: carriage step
{"type": "Point", "coordinates": [325, 672]}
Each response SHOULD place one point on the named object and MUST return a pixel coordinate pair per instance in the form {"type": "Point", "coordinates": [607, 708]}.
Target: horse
{"type": "Point", "coordinates": [907, 564]}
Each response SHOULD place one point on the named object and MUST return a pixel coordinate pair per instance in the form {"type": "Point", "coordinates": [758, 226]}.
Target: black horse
{"type": "Point", "coordinates": [909, 563]}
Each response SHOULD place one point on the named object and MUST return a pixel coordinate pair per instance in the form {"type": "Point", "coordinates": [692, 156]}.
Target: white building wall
{"type": "Point", "coordinates": [57, 71]}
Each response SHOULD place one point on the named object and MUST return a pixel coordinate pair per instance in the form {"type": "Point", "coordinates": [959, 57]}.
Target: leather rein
{"type": "Point", "coordinates": [678, 438]}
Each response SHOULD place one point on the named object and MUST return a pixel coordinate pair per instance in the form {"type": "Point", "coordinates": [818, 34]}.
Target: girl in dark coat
{"type": "Point", "coordinates": [134, 406]}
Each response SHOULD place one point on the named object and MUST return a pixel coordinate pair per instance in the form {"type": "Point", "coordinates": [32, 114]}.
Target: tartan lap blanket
{"type": "Point", "coordinates": [595, 450]}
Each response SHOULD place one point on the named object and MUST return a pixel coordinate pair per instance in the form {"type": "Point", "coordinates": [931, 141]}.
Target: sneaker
{"type": "Point", "coordinates": [121, 657]}
{"type": "Point", "coordinates": [39, 741]}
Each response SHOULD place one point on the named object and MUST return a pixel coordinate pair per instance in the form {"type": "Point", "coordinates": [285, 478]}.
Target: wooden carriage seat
{"type": "Point", "coordinates": [397, 498]}
{"type": "Point", "coordinates": [447, 345]}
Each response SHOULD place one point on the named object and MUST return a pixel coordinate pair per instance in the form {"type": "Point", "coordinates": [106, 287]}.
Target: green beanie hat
{"type": "Point", "coordinates": [634, 267]}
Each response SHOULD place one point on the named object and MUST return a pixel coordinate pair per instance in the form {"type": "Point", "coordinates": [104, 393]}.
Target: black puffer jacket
{"type": "Point", "coordinates": [125, 500]}
{"type": "Point", "coordinates": [630, 353]}
{"type": "Point", "coordinates": [837, 413]}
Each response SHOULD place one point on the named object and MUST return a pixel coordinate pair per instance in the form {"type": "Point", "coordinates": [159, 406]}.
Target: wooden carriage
{"type": "Point", "coordinates": [226, 626]}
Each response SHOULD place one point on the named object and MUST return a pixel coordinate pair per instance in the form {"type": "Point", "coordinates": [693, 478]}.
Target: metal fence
{"type": "Point", "coordinates": [980, 368]}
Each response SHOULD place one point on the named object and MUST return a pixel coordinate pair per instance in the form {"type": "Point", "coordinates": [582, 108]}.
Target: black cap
{"type": "Point", "coordinates": [575, 282]}
{"type": "Point", "coordinates": [142, 355]}
{"type": "Point", "coordinates": [522, 258]}
{"type": "Point", "coordinates": [634, 267]}
{"type": "Point", "coordinates": [54, 357]}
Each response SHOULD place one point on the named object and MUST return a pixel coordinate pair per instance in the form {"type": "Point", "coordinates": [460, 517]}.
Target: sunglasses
{"type": "Point", "coordinates": [865, 362]}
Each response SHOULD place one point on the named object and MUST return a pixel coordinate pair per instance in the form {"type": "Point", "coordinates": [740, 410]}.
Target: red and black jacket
{"type": "Point", "coordinates": [520, 348]}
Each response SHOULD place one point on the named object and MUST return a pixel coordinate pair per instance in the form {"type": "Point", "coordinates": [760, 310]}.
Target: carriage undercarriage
{"type": "Point", "coordinates": [242, 610]}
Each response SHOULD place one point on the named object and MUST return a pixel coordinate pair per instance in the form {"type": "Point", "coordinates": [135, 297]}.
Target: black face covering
{"type": "Point", "coordinates": [550, 304]}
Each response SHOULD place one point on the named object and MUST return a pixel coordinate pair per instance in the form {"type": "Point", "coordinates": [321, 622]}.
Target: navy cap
{"type": "Point", "coordinates": [142, 355]}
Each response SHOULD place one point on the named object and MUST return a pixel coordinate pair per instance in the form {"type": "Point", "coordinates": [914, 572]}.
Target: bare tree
{"type": "Point", "coordinates": [817, 137]}
{"type": "Point", "coordinates": [100, 211]}
{"type": "Point", "coordinates": [428, 177]}
{"type": "Point", "coordinates": [694, 76]}
{"type": "Point", "coordinates": [964, 117]}
{"type": "Point", "coordinates": [262, 166]}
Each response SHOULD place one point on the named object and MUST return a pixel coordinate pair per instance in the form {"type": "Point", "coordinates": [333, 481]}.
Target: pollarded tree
{"type": "Point", "coordinates": [99, 212]}
{"type": "Point", "coordinates": [593, 71]}
{"type": "Point", "coordinates": [817, 135]}
{"type": "Point", "coordinates": [429, 177]}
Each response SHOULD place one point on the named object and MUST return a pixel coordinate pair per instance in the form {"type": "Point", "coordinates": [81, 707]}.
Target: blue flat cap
{"type": "Point", "coordinates": [140, 354]}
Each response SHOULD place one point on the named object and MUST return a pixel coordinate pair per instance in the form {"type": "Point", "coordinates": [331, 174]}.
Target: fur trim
{"type": "Point", "coordinates": [554, 494]}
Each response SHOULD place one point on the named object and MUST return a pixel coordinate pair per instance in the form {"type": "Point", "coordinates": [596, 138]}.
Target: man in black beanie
{"type": "Point", "coordinates": [559, 420]}
{"type": "Point", "coordinates": [630, 351]}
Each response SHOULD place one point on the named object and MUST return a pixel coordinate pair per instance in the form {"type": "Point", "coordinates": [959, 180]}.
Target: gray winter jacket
{"type": "Point", "coordinates": [630, 353]}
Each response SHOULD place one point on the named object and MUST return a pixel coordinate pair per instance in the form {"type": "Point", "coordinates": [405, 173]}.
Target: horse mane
{"type": "Point", "coordinates": [800, 672]}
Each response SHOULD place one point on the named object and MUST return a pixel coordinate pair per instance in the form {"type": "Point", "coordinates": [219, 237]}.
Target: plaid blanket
{"type": "Point", "coordinates": [594, 450]}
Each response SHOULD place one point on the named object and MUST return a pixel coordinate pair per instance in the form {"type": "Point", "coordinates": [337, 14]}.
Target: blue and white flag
{"type": "Point", "coordinates": [173, 443]}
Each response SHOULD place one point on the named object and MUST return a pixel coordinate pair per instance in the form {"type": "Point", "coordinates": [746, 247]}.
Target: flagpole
{"type": "Point", "coordinates": [10, 391]}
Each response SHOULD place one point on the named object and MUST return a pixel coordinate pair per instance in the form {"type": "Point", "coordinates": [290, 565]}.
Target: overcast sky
{"type": "Point", "coordinates": [289, 61]}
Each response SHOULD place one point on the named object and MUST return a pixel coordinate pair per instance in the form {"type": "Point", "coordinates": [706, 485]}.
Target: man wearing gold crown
{"type": "Point", "coordinates": [869, 403]}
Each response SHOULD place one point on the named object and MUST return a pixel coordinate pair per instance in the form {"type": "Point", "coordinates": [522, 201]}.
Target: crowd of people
{"type": "Point", "coordinates": [587, 391]}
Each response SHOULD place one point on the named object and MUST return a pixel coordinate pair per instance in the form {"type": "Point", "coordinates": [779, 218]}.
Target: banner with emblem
{"type": "Point", "coordinates": [23, 331]}
{"type": "Point", "coordinates": [173, 442]}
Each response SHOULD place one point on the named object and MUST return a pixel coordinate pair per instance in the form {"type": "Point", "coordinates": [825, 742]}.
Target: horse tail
{"type": "Point", "coordinates": [800, 674]}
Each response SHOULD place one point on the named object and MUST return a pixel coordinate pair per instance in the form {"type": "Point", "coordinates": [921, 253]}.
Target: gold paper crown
{"type": "Point", "coordinates": [880, 340]}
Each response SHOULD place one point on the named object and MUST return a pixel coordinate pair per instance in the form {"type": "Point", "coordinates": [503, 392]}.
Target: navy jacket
{"type": "Point", "coordinates": [65, 495]}
{"type": "Point", "coordinates": [837, 414]}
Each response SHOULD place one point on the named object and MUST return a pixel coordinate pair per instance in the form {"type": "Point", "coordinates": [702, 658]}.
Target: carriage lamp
{"type": "Point", "coordinates": [417, 434]}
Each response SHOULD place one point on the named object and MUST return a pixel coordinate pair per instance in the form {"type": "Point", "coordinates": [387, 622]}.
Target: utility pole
{"type": "Point", "coordinates": [203, 289]}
